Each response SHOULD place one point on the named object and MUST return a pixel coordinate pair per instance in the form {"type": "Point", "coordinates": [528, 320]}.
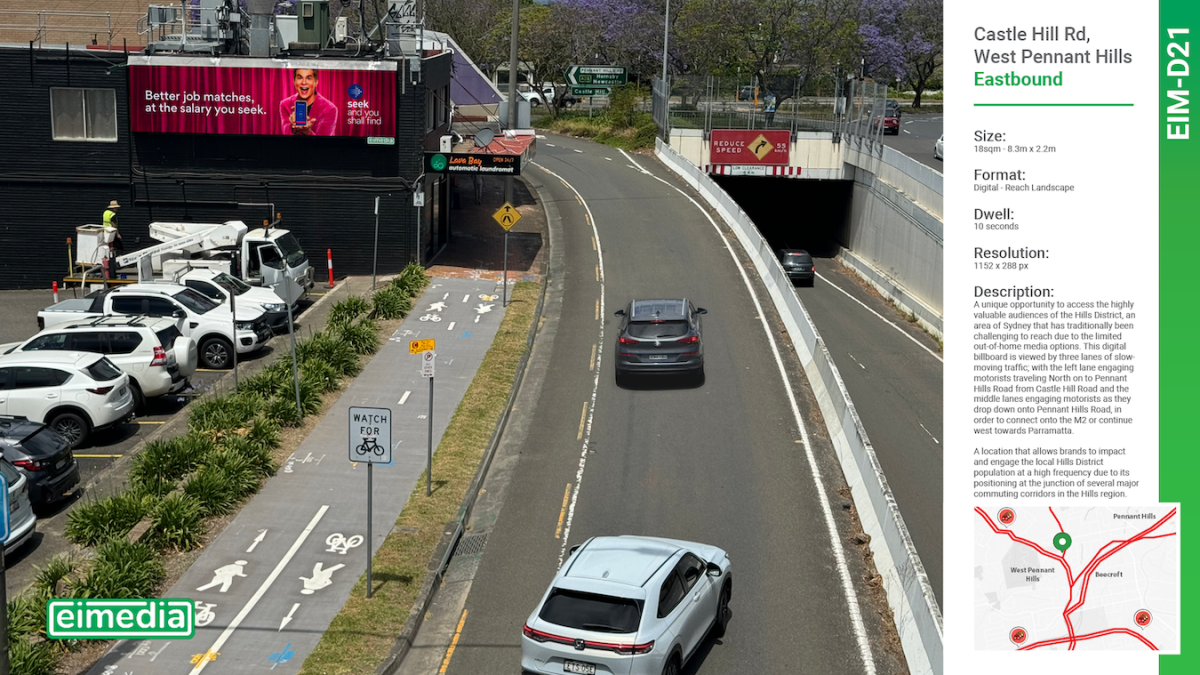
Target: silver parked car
{"type": "Point", "coordinates": [629, 605]}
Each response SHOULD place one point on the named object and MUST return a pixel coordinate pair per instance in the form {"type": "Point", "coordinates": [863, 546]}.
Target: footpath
{"type": "Point", "coordinates": [268, 587]}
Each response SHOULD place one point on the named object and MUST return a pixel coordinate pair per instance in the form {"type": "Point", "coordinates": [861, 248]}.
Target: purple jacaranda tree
{"type": "Point", "coordinates": [902, 39]}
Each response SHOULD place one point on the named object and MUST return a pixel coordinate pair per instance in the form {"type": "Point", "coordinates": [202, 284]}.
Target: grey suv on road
{"type": "Point", "coordinates": [660, 336]}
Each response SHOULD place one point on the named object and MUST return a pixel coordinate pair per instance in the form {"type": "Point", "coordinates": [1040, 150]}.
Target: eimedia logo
{"type": "Point", "coordinates": [118, 619]}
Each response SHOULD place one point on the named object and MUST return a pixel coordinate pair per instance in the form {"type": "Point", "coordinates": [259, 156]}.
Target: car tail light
{"type": "Point", "coordinates": [689, 353]}
{"type": "Point", "coordinates": [542, 636]}
{"type": "Point", "coordinates": [689, 340]}
{"type": "Point", "coordinates": [618, 647]}
{"type": "Point", "coordinates": [160, 357]}
{"type": "Point", "coordinates": [626, 341]}
{"type": "Point", "coordinates": [32, 464]}
{"type": "Point", "coordinates": [101, 390]}
{"type": "Point", "coordinates": [644, 648]}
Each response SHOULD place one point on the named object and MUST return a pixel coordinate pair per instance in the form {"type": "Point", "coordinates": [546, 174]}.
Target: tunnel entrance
{"type": "Point", "coordinates": [810, 214]}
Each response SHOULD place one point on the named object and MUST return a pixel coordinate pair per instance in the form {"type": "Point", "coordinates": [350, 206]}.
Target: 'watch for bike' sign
{"type": "Point", "coordinates": [371, 435]}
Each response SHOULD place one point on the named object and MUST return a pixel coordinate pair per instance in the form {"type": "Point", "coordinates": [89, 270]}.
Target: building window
{"type": "Point", "coordinates": [83, 114]}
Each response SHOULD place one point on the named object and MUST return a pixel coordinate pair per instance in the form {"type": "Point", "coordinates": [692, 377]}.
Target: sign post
{"type": "Point", "coordinates": [507, 216]}
{"type": "Point", "coordinates": [370, 442]}
{"type": "Point", "coordinates": [428, 357]}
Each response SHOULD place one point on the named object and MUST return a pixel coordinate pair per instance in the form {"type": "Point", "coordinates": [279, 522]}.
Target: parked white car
{"type": "Point", "coordinates": [73, 393]}
{"type": "Point", "coordinates": [937, 147]}
{"type": "Point", "coordinates": [22, 523]}
{"type": "Point", "coordinates": [636, 605]}
{"type": "Point", "coordinates": [158, 358]}
{"type": "Point", "coordinates": [215, 285]}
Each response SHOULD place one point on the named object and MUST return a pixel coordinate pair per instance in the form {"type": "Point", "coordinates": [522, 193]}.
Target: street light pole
{"type": "Point", "coordinates": [666, 37]}
{"type": "Point", "coordinates": [512, 87]}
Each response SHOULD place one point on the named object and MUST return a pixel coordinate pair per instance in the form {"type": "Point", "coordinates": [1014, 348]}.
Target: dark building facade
{"type": "Point", "coordinates": [325, 188]}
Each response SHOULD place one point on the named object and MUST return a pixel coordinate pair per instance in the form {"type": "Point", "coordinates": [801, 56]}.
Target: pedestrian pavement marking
{"type": "Point", "coordinates": [453, 643]}
{"type": "Point", "coordinates": [582, 419]}
{"type": "Point", "coordinates": [562, 514]}
{"type": "Point", "coordinates": [237, 620]}
{"type": "Point", "coordinates": [404, 398]}
{"type": "Point", "coordinates": [592, 363]}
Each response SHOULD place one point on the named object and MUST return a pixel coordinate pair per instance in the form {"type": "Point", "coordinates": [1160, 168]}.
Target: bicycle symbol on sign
{"type": "Point", "coordinates": [370, 444]}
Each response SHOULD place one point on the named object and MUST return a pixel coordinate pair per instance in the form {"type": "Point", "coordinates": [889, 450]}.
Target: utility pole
{"type": "Point", "coordinates": [666, 37]}
{"type": "Point", "coordinates": [512, 87]}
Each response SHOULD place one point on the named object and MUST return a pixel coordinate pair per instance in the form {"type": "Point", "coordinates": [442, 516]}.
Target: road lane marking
{"type": "Point", "coordinates": [835, 542]}
{"type": "Point", "coordinates": [593, 243]}
{"type": "Point", "coordinates": [855, 360]}
{"type": "Point", "coordinates": [451, 326]}
{"type": "Point", "coordinates": [608, 158]}
{"type": "Point", "coordinates": [466, 297]}
{"type": "Point", "coordinates": [453, 643]}
{"type": "Point", "coordinates": [237, 620]}
{"type": "Point", "coordinates": [587, 432]}
{"type": "Point", "coordinates": [551, 145]}
{"type": "Point", "coordinates": [592, 361]}
{"type": "Point", "coordinates": [881, 317]}
{"type": "Point", "coordinates": [582, 419]}
{"type": "Point", "coordinates": [563, 513]}
{"type": "Point", "coordinates": [77, 455]}
{"type": "Point", "coordinates": [404, 398]}
{"type": "Point", "coordinates": [579, 200]}
{"type": "Point", "coordinates": [935, 440]}
{"type": "Point", "coordinates": [588, 218]}
{"type": "Point", "coordinates": [150, 422]}
{"type": "Point", "coordinates": [597, 279]}
{"type": "Point", "coordinates": [577, 150]}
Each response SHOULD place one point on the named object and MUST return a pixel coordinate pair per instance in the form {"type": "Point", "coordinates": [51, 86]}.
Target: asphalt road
{"type": "Point", "coordinates": [893, 372]}
{"type": "Point", "coordinates": [918, 133]}
{"type": "Point", "coordinates": [721, 463]}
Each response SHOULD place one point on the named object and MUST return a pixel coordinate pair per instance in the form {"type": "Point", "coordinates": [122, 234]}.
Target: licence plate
{"type": "Point", "coordinates": [577, 667]}
{"type": "Point", "coordinates": [658, 357]}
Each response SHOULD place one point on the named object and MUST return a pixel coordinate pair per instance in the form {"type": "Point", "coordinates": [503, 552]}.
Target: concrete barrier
{"type": "Point", "coordinates": [914, 606]}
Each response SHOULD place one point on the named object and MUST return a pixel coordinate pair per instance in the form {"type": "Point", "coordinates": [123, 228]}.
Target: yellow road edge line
{"type": "Point", "coordinates": [588, 218]}
{"type": "Point", "coordinates": [97, 456]}
{"type": "Point", "coordinates": [578, 199]}
{"type": "Point", "coordinates": [563, 513]}
{"type": "Point", "coordinates": [597, 273]}
{"type": "Point", "coordinates": [597, 309]}
{"type": "Point", "coordinates": [453, 643]}
{"type": "Point", "coordinates": [150, 421]}
{"type": "Point", "coordinates": [593, 243]}
{"type": "Point", "coordinates": [210, 370]}
{"type": "Point", "coordinates": [582, 419]}
{"type": "Point", "coordinates": [592, 363]}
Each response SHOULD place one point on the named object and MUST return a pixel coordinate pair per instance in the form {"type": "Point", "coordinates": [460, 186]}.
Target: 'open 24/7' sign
{"type": "Point", "coordinates": [371, 435]}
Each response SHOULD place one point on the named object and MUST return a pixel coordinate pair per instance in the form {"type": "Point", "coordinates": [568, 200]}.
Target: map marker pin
{"type": "Point", "coordinates": [1062, 541]}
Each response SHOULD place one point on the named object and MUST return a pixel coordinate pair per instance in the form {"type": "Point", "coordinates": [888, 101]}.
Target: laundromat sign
{"type": "Point", "coordinates": [741, 146]}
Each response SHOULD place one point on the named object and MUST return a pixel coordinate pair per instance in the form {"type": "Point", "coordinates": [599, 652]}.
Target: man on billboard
{"type": "Point", "coordinates": [307, 113]}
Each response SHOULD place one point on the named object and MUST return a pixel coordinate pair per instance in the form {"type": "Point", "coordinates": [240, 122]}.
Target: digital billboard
{"type": "Point", "coordinates": [263, 97]}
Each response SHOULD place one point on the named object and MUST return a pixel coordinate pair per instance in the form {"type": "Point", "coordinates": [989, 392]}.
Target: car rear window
{"type": "Point", "coordinates": [167, 336]}
{"type": "Point", "coordinates": [588, 611]}
{"type": "Point", "coordinates": [42, 443]}
{"type": "Point", "coordinates": [103, 371]}
{"type": "Point", "coordinates": [10, 474]}
{"type": "Point", "coordinates": [650, 330]}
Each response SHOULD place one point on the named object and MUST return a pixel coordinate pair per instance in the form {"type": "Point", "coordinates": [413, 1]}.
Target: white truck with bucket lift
{"type": "Point", "coordinates": [266, 256]}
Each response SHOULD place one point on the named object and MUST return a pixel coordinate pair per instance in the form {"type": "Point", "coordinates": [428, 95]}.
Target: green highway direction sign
{"type": "Point", "coordinates": [596, 76]}
{"type": "Point", "coordinates": [591, 91]}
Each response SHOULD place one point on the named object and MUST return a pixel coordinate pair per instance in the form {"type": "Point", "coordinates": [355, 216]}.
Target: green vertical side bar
{"type": "Point", "coordinates": [1179, 375]}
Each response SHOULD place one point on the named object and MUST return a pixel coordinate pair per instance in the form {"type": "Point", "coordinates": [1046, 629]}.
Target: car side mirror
{"type": "Point", "coordinates": [573, 549]}
{"type": "Point", "coordinates": [702, 311]}
{"type": "Point", "coordinates": [179, 314]}
{"type": "Point", "coordinates": [619, 312]}
{"type": "Point", "coordinates": [713, 570]}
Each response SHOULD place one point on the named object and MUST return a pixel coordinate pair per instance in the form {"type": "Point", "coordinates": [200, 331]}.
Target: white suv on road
{"type": "Point", "coordinates": [73, 393]}
{"type": "Point", "coordinates": [152, 351]}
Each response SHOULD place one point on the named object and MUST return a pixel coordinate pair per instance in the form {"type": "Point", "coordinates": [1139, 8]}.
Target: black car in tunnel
{"type": "Point", "coordinates": [798, 265]}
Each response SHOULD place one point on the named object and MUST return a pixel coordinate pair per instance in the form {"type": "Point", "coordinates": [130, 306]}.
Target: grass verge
{"type": "Point", "coordinates": [363, 633]}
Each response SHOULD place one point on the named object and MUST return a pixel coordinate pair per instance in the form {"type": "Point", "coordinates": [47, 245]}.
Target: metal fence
{"type": "Point", "coordinates": [54, 27]}
{"type": "Point", "coordinates": [853, 108]}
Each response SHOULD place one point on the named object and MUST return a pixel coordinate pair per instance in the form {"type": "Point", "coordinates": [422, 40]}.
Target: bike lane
{"type": "Point", "coordinates": [270, 584]}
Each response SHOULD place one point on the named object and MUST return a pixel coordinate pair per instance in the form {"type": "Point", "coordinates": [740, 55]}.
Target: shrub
{"type": "Point", "coordinates": [223, 414]}
{"type": "Point", "coordinates": [102, 520]}
{"type": "Point", "coordinates": [169, 460]}
{"type": "Point", "coordinates": [391, 303]}
{"type": "Point", "coordinates": [282, 410]}
{"type": "Point", "coordinates": [264, 435]}
{"type": "Point", "coordinates": [411, 280]}
{"type": "Point", "coordinates": [60, 567]}
{"type": "Point", "coordinates": [363, 336]}
{"type": "Point", "coordinates": [211, 489]}
{"type": "Point", "coordinates": [322, 376]}
{"type": "Point", "coordinates": [121, 570]}
{"type": "Point", "coordinates": [26, 616]}
{"type": "Point", "coordinates": [27, 658]}
{"type": "Point", "coordinates": [268, 381]}
{"type": "Point", "coordinates": [331, 349]}
{"type": "Point", "coordinates": [240, 471]}
{"type": "Point", "coordinates": [178, 523]}
{"type": "Point", "coordinates": [262, 459]}
{"type": "Point", "coordinates": [348, 310]}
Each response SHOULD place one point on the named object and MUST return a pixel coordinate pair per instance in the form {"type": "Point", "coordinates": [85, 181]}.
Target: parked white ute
{"type": "Point", "coordinates": [73, 393]}
{"type": "Point", "coordinates": [628, 605]}
{"type": "Point", "coordinates": [152, 351]}
{"type": "Point", "coordinates": [216, 285]}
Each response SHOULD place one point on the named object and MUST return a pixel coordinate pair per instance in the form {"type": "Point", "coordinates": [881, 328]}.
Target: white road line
{"type": "Point", "coordinates": [237, 620]}
{"type": "Point", "coordinates": [451, 326]}
{"type": "Point", "coordinates": [404, 398]}
{"type": "Point", "coordinates": [466, 297]}
{"type": "Point", "coordinates": [935, 440]}
{"type": "Point", "coordinates": [541, 135]}
{"type": "Point", "coordinates": [551, 145]}
{"type": "Point", "coordinates": [587, 431]}
{"type": "Point", "coordinates": [881, 317]}
{"type": "Point", "coordinates": [835, 542]}
{"type": "Point", "coordinates": [577, 150]}
{"type": "Point", "coordinates": [855, 360]}
{"type": "Point", "coordinates": [608, 158]}
{"type": "Point", "coordinates": [906, 131]}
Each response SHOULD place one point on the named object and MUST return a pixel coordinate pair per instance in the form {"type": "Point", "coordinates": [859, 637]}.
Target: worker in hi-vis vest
{"type": "Point", "coordinates": [110, 220]}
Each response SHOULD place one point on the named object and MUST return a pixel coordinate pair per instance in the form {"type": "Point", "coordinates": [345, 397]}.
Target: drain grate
{"type": "Point", "coordinates": [470, 545]}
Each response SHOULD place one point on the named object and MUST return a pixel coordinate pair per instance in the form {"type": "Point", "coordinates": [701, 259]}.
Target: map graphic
{"type": "Point", "coordinates": [1077, 578]}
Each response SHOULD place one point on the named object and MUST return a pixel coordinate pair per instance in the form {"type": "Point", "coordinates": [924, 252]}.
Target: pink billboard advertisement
{"type": "Point", "coordinates": [262, 97]}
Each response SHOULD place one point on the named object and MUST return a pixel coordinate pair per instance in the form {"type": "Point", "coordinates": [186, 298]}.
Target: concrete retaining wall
{"type": "Point", "coordinates": [917, 616]}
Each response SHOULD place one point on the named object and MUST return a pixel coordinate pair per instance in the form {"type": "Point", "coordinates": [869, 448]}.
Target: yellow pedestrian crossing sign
{"type": "Point", "coordinates": [507, 216]}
